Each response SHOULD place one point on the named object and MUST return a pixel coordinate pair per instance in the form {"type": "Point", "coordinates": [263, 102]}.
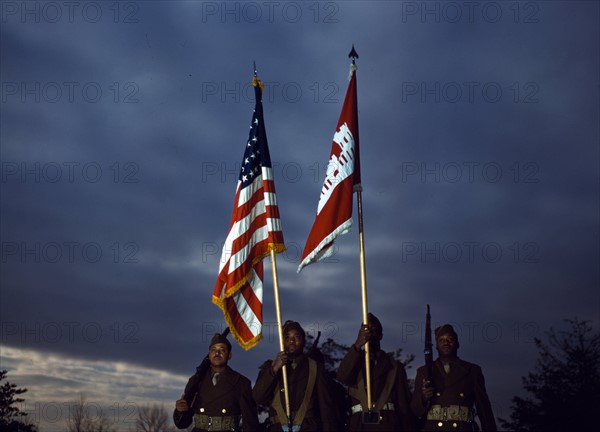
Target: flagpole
{"type": "Point", "coordinates": [286, 393]}
{"type": "Point", "coordinates": [363, 286]}
{"type": "Point", "coordinates": [363, 268]}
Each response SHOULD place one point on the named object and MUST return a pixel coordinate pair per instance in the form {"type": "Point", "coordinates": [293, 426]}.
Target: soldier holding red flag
{"type": "Point", "coordinates": [391, 396]}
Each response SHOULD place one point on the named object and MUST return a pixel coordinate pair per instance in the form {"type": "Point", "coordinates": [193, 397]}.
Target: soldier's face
{"type": "Point", "coordinates": [447, 345]}
{"type": "Point", "coordinates": [219, 355]}
{"type": "Point", "coordinates": [375, 330]}
{"type": "Point", "coordinates": [294, 342]}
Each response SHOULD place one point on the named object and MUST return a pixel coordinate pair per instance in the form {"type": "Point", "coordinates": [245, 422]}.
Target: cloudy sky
{"type": "Point", "coordinates": [122, 129]}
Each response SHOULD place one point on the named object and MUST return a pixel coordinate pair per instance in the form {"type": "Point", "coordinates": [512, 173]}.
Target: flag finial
{"type": "Point", "coordinates": [255, 80]}
{"type": "Point", "coordinates": [353, 55]}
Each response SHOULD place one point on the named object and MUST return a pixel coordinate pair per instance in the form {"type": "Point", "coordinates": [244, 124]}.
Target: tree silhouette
{"type": "Point", "coordinates": [331, 354]}
{"type": "Point", "coordinates": [153, 419]}
{"type": "Point", "coordinates": [564, 385]}
{"type": "Point", "coordinates": [80, 420]}
{"type": "Point", "coordinates": [11, 417]}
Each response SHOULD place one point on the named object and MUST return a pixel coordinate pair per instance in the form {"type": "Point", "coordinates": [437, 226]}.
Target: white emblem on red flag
{"type": "Point", "coordinates": [341, 163]}
{"type": "Point", "coordinates": [334, 211]}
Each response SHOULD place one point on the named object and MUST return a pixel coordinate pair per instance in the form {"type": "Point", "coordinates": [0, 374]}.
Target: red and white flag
{"type": "Point", "coordinates": [334, 212]}
{"type": "Point", "coordinates": [254, 231]}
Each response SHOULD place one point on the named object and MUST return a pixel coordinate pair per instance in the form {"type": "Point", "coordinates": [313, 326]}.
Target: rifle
{"type": "Point", "coordinates": [314, 352]}
{"type": "Point", "coordinates": [428, 351]}
{"type": "Point", "coordinates": [316, 341]}
{"type": "Point", "coordinates": [428, 347]}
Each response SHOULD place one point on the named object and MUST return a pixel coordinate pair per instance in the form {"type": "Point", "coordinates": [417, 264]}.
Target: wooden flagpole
{"type": "Point", "coordinates": [286, 393]}
{"type": "Point", "coordinates": [363, 270]}
{"type": "Point", "coordinates": [363, 286]}
{"type": "Point", "coordinates": [288, 411]}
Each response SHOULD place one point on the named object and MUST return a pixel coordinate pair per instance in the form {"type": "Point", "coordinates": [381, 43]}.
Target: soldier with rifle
{"type": "Point", "coordinates": [309, 393]}
{"type": "Point", "coordinates": [448, 390]}
{"type": "Point", "coordinates": [217, 398]}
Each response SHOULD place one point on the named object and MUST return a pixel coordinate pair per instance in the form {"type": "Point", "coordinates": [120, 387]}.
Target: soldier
{"type": "Point", "coordinates": [309, 394]}
{"type": "Point", "coordinates": [217, 398]}
{"type": "Point", "coordinates": [445, 402]}
{"type": "Point", "coordinates": [389, 386]}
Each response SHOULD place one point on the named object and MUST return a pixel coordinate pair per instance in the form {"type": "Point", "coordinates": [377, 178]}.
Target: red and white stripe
{"type": "Point", "coordinates": [255, 229]}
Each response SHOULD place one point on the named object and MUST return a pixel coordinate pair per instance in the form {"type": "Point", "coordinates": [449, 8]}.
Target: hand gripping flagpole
{"type": "Point", "coordinates": [369, 415]}
{"type": "Point", "coordinates": [288, 411]}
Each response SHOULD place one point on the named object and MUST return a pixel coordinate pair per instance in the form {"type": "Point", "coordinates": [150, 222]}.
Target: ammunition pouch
{"type": "Point", "coordinates": [450, 413]}
{"type": "Point", "coordinates": [216, 423]}
{"type": "Point", "coordinates": [386, 407]}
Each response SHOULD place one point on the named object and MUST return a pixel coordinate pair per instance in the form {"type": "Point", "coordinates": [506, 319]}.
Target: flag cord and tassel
{"type": "Point", "coordinates": [286, 392]}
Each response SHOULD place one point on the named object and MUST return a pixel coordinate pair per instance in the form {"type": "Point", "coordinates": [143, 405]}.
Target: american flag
{"type": "Point", "coordinates": [334, 212]}
{"type": "Point", "coordinates": [254, 231]}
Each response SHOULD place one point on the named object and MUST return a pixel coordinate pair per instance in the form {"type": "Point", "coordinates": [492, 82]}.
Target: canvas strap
{"type": "Point", "coordinates": [360, 392]}
{"type": "Point", "coordinates": [301, 413]}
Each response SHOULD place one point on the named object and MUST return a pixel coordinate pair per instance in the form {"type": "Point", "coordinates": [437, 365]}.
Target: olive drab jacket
{"type": "Point", "coordinates": [394, 411]}
{"type": "Point", "coordinates": [317, 415]}
{"type": "Point", "coordinates": [456, 392]}
{"type": "Point", "coordinates": [230, 400]}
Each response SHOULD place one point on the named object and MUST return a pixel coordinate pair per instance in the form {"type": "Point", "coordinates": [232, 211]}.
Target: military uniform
{"type": "Point", "coordinates": [455, 394]}
{"type": "Point", "coordinates": [317, 412]}
{"type": "Point", "coordinates": [394, 411]}
{"type": "Point", "coordinates": [220, 406]}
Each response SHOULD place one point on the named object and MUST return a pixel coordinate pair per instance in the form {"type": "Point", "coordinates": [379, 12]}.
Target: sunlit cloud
{"type": "Point", "coordinates": [117, 389]}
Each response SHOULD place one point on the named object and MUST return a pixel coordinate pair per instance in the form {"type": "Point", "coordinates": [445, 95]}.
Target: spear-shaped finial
{"type": "Point", "coordinates": [255, 80]}
{"type": "Point", "coordinates": [353, 55]}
